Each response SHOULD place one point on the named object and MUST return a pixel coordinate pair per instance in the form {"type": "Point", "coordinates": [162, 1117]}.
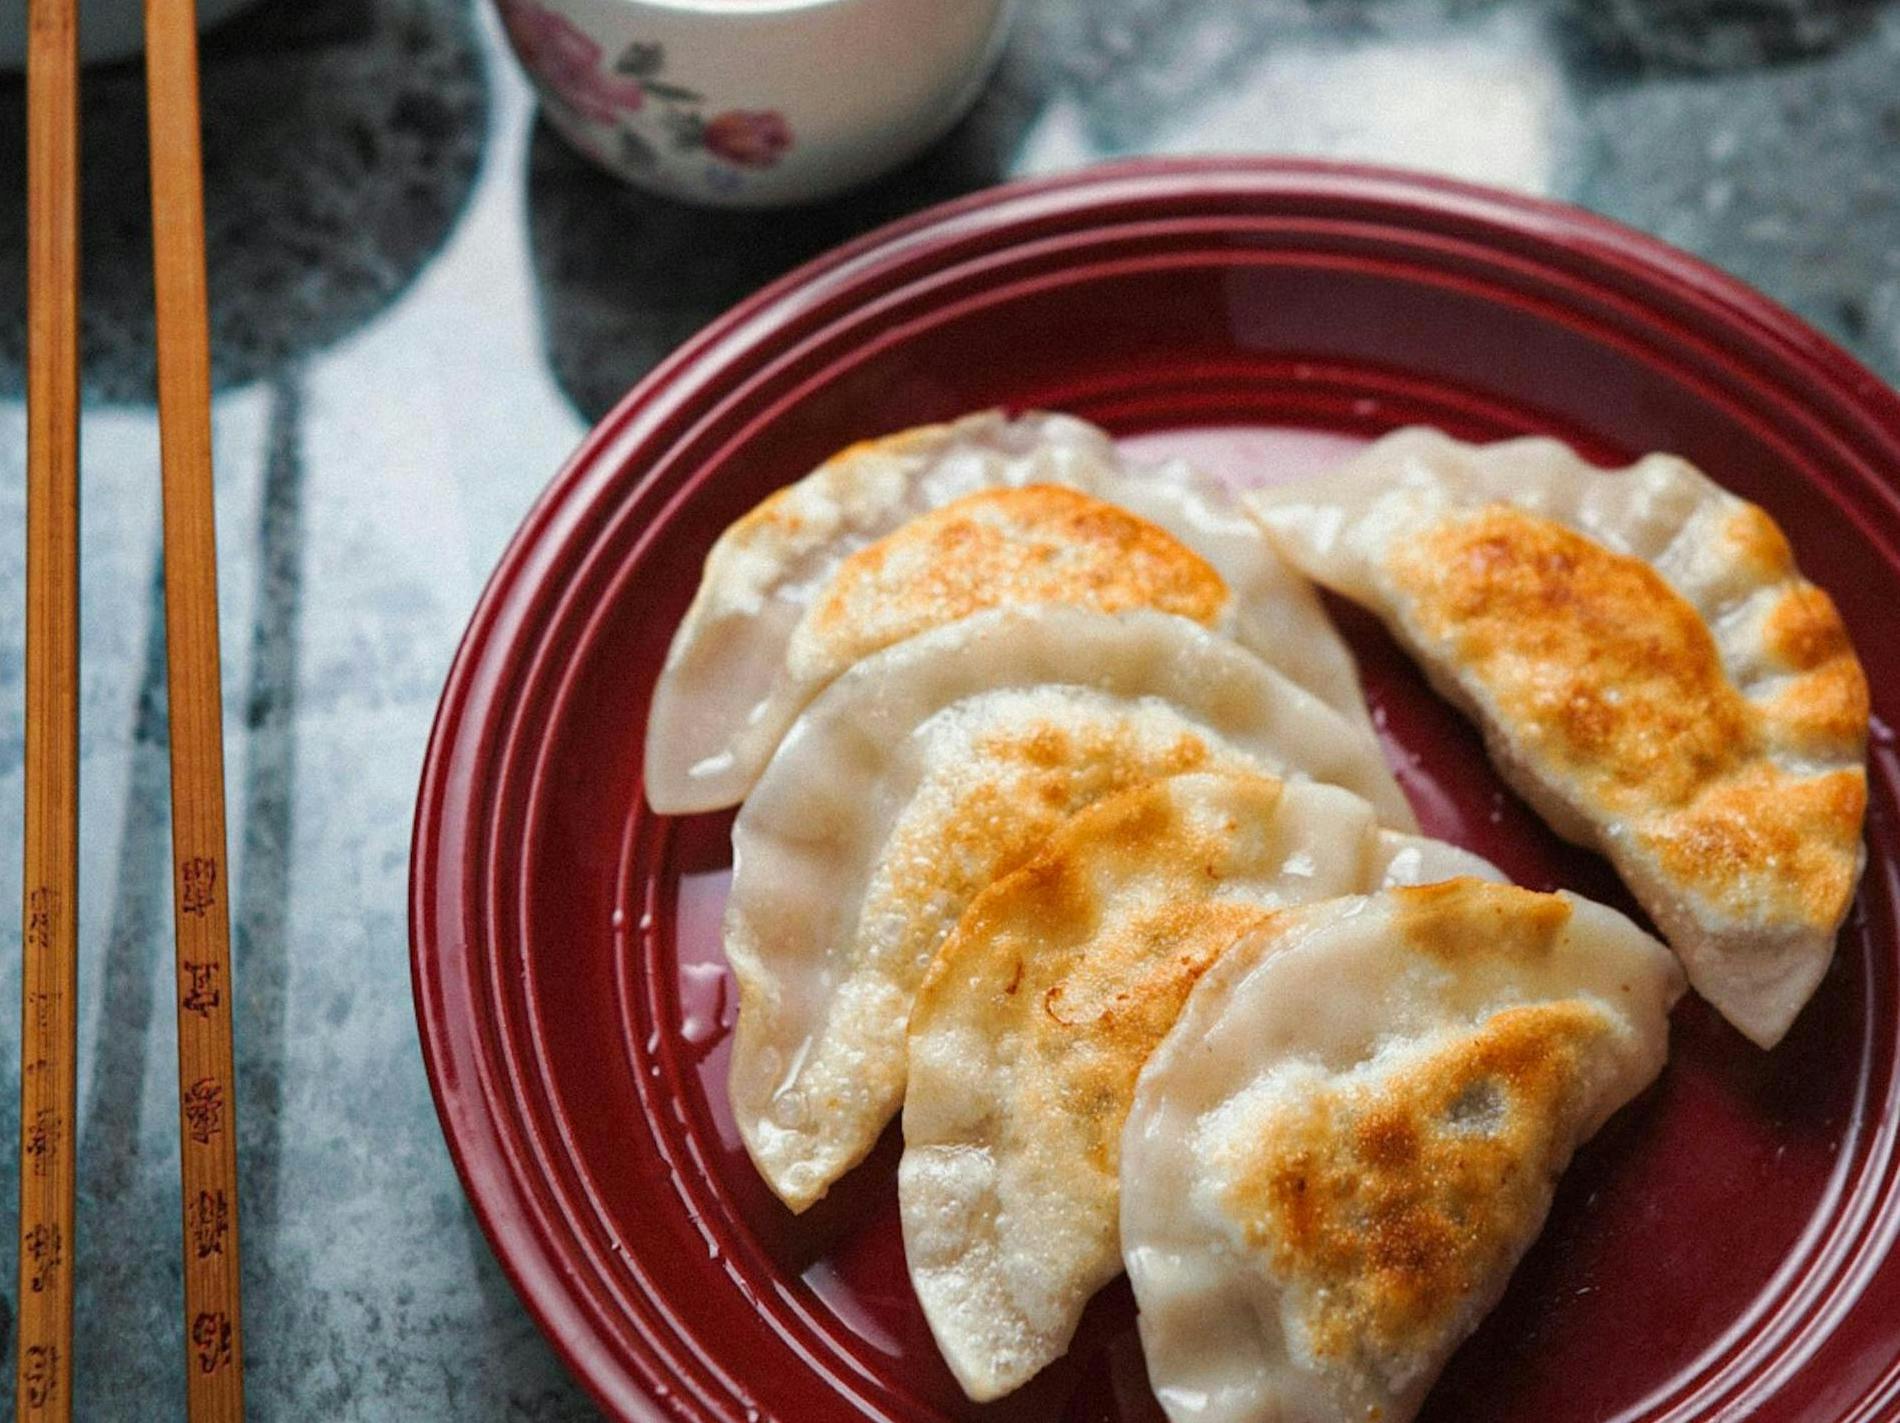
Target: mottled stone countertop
{"type": "Point", "coordinates": [421, 301]}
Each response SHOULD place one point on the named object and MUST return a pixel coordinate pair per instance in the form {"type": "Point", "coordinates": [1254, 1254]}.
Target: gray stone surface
{"type": "Point", "coordinates": [422, 300]}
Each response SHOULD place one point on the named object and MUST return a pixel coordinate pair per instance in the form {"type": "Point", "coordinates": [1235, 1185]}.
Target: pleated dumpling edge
{"type": "Point", "coordinates": [1351, 1135]}
{"type": "Point", "coordinates": [1650, 669]}
{"type": "Point", "coordinates": [881, 815]}
{"type": "Point", "coordinates": [896, 535]}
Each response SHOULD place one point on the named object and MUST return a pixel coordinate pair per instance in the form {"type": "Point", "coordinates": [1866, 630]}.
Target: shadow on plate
{"type": "Point", "coordinates": [341, 139]}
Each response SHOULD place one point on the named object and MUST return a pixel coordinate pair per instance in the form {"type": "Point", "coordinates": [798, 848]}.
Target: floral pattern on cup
{"type": "Point", "coordinates": [568, 64]}
{"type": "Point", "coordinates": [751, 138]}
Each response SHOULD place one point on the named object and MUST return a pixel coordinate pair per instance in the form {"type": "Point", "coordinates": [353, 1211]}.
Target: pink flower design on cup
{"type": "Point", "coordinates": [750, 138]}
{"type": "Point", "coordinates": [564, 58]}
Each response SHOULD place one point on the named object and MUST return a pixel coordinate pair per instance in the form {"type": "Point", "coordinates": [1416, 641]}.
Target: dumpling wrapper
{"type": "Point", "coordinates": [1650, 672]}
{"type": "Point", "coordinates": [1038, 1012]}
{"type": "Point", "coordinates": [769, 628]}
{"type": "Point", "coordinates": [910, 784]}
{"type": "Point", "coordinates": [1353, 1132]}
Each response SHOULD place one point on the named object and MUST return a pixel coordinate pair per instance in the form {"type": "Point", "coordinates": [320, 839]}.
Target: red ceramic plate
{"type": "Point", "coordinates": [1724, 1249]}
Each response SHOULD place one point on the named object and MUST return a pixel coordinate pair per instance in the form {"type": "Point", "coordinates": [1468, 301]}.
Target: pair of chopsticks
{"type": "Point", "coordinates": [213, 1330]}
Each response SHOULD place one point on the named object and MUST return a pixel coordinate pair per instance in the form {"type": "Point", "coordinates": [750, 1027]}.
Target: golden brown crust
{"type": "Point", "coordinates": [1064, 769]}
{"type": "Point", "coordinates": [1610, 678]}
{"type": "Point", "coordinates": [1037, 544]}
{"type": "Point", "coordinates": [1803, 631]}
{"type": "Point", "coordinates": [1387, 1206]}
{"type": "Point", "coordinates": [1104, 1021]}
{"type": "Point", "coordinates": [773, 512]}
{"type": "Point", "coordinates": [1766, 838]}
{"type": "Point", "coordinates": [1458, 919]}
{"type": "Point", "coordinates": [1095, 998]}
{"type": "Point", "coordinates": [777, 518]}
{"type": "Point", "coordinates": [1826, 706]}
{"type": "Point", "coordinates": [1588, 653]}
{"type": "Point", "coordinates": [1757, 543]}
{"type": "Point", "coordinates": [1814, 714]}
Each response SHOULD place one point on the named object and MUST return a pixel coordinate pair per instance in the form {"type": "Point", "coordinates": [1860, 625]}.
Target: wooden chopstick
{"type": "Point", "coordinates": [214, 1335]}
{"type": "Point", "coordinates": [43, 1373]}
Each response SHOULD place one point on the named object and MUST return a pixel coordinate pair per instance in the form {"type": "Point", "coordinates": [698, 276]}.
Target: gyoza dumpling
{"type": "Point", "coordinates": [1352, 1133]}
{"type": "Point", "coordinates": [1650, 671]}
{"type": "Point", "coordinates": [1040, 1009]}
{"type": "Point", "coordinates": [794, 592]}
{"type": "Point", "coordinates": [918, 776]}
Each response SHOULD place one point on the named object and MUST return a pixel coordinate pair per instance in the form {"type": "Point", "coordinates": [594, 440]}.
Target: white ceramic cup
{"type": "Point", "coordinates": [754, 103]}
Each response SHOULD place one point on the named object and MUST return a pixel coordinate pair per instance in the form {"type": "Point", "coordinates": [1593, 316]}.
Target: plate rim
{"type": "Point", "coordinates": [454, 1061]}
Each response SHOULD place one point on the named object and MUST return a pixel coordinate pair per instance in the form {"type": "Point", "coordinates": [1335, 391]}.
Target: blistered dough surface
{"type": "Point", "coordinates": [1337, 1155]}
{"type": "Point", "coordinates": [1650, 669]}
{"type": "Point", "coordinates": [1039, 1011]}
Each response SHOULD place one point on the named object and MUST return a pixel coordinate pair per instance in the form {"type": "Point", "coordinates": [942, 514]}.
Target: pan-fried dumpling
{"type": "Point", "coordinates": [1353, 1131]}
{"type": "Point", "coordinates": [1040, 1009]}
{"type": "Point", "coordinates": [831, 568]}
{"type": "Point", "coordinates": [1650, 671]}
{"type": "Point", "coordinates": [918, 776]}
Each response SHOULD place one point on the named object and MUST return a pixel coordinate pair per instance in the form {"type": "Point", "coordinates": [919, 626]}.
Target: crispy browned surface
{"type": "Point", "coordinates": [1032, 779]}
{"type": "Point", "coordinates": [1460, 919]}
{"type": "Point", "coordinates": [1757, 543]}
{"type": "Point", "coordinates": [1826, 706]}
{"type": "Point", "coordinates": [1765, 837]}
{"type": "Point", "coordinates": [1588, 654]}
{"type": "Point", "coordinates": [1103, 1021]}
{"type": "Point", "coordinates": [1386, 1207]}
{"type": "Point", "coordinates": [1610, 681]}
{"type": "Point", "coordinates": [1037, 544]}
{"type": "Point", "coordinates": [1026, 1040]}
{"type": "Point", "coordinates": [1087, 994]}
{"type": "Point", "coordinates": [1036, 776]}
{"type": "Point", "coordinates": [776, 517]}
